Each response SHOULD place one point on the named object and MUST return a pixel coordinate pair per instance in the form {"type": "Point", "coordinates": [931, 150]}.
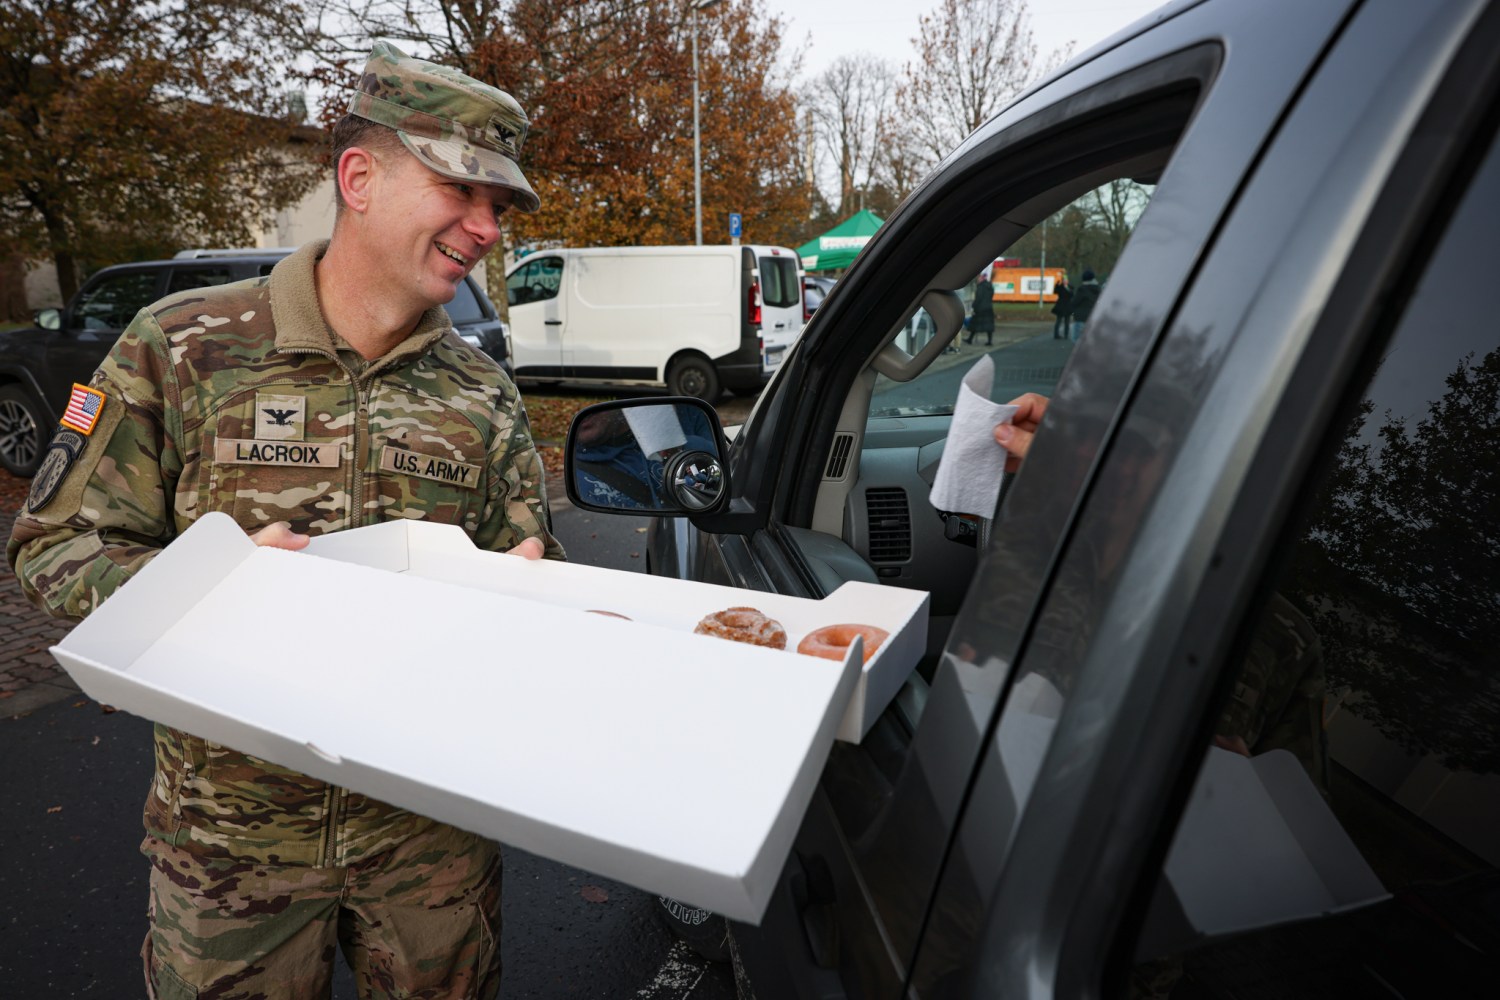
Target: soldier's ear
{"type": "Point", "coordinates": [354, 176]}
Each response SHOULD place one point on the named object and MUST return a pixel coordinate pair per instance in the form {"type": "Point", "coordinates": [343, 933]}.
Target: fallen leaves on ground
{"type": "Point", "coordinates": [552, 459]}
{"type": "Point", "coordinates": [594, 894]}
{"type": "Point", "coordinates": [550, 416]}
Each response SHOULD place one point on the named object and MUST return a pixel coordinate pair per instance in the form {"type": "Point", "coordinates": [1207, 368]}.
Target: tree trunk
{"type": "Point", "coordinates": [67, 275]}
{"type": "Point", "coordinates": [13, 304]}
{"type": "Point", "coordinates": [62, 259]}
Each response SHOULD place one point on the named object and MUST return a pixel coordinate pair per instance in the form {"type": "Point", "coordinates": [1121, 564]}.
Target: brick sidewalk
{"type": "Point", "coordinates": [29, 676]}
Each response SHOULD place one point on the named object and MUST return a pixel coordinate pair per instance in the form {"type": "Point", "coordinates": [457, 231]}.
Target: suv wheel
{"type": "Point", "coordinates": [22, 437]}
{"type": "Point", "coordinates": [694, 375]}
{"type": "Point", "coordinates": [705, 932]}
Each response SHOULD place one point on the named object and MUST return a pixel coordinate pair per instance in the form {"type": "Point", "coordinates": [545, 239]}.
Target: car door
{"type": "Point", "coordinates": [538, 316]}
{"type": "Point", "coordinates": [781, 303]}
{"type": "Point", "coordinates": [1183, 110]}
{"type": "Point", "coordinates": [93, 322]}
{"type": "Point", "coordinates": [1249, 573]}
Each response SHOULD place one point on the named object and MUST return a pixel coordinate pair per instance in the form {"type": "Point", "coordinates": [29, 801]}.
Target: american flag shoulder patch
{"type": "Point", "coordinates": [84, 407]}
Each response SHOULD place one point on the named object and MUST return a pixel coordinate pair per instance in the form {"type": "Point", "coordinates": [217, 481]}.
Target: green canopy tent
{"type": "Point", "coordinates": [837, 248]}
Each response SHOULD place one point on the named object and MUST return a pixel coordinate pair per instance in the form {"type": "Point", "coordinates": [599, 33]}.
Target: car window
{"type": "Point", "coordinates": [182, 279]}
{"type": "Point", "coordinates": [114, 301]}
{"type": "Point", "coordinates": [778, 281]}
{"type": "Point", "coordinates": [465, 307]}
{"type": "Point", "coordinates": [1373, 666]}
{"type": "Point", "coordinates": [1030, 325]}
{"type": "Point", "coordinates": [536, 281]}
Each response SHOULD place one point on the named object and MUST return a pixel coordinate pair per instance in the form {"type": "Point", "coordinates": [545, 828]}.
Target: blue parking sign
{"type": "Point", "coordinates": [735, 226]}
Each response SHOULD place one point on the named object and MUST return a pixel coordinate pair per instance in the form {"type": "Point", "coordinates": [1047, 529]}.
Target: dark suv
{"type": "Point", "coordinates": [38, 365]}
{"type": "Point", "coordinates": [1211, 706]}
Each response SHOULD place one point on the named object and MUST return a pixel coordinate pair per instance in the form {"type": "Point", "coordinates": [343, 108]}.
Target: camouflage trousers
{"type": "Point", "coordinates": [421, 920]}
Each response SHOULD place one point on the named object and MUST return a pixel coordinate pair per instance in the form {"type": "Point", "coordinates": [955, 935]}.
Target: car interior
{"type": "Point", "coordinates": [871, 518]}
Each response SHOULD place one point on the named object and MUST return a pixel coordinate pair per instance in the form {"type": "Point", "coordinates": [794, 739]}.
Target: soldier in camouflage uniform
{"type": "Point", "coordinates": [332, 394]}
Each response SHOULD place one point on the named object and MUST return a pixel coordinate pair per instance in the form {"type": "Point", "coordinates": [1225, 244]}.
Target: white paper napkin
{"type": "Point", "coordinates": [973, 464]}
{"type": "Point", "coordinates": [656, 428]}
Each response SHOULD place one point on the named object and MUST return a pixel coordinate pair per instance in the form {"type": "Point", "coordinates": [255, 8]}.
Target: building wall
{"type": "Point", "coordinates": [309, 219]}
{"type": "Point", "coordinates": [41, 286]}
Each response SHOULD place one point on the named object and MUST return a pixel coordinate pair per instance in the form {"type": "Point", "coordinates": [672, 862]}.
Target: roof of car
{"type": "Point", "coordinates": [234, 252]}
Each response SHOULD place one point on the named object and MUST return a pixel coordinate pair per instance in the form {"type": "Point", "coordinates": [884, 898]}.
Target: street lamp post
{"type": "Point", "coordinates": [696, 6]}
{"type": "Point", "coordinates": [1042, 288]}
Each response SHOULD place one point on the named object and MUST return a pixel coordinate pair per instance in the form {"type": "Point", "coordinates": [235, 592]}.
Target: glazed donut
{"type": "Point", "coordinates": [832, 641]}
{"type": "Point", "coordinates": [607, 614]}
{"type": "Point", "coordinates": [744, 625]}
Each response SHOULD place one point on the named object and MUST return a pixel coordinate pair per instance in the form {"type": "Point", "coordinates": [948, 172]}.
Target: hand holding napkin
{"type": "Point", "coordinates": [973, 464]}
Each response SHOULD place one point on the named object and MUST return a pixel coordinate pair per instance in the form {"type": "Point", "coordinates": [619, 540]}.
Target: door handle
{"type": "Point", "coordinates": [553, 322]}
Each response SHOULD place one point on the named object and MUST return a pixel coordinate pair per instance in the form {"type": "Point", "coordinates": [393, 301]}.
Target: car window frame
{"type": "Point", "coordinates": [1225, 149]}
{"type": "Point", "coordinates": [173, 274]}
{"type": "Point", "coordinates": [1181, 717]}
{"type": "Point", "coordinates": [888, 852]}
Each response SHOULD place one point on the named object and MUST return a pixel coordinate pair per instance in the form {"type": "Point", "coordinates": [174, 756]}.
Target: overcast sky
{"type": "Point", "coordinates": [885, 27]}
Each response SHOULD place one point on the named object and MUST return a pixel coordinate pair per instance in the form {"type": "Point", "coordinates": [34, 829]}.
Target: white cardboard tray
{"type": "Point", "coordinates": [399, 661]}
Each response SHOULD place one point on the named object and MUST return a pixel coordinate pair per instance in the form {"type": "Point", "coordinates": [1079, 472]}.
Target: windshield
{"type": "Point", "coordinates": [465, 307]}
{"type": "Point", "coordinates": [1025, 310]}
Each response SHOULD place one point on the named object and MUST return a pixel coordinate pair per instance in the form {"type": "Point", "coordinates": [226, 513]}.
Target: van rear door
{"type": "Point", "coordinates": [537, 316]}
{"type": "Point", "coordinates": [781, 303]}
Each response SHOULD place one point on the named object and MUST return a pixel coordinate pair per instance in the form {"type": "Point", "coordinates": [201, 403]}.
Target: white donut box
{"type": "Point", "coordinates": [474, 687]}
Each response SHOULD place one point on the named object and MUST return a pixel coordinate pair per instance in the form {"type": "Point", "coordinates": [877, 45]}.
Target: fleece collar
{"type": "Point", "coordinates": [299, 320]}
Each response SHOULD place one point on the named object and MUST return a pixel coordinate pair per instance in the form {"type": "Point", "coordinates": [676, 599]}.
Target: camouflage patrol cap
{"type": "Point", "coordinates": [454, 124]}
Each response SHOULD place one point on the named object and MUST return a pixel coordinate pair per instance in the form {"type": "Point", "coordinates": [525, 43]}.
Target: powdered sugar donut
{"type": "Point", "coordinates": [744, 625]}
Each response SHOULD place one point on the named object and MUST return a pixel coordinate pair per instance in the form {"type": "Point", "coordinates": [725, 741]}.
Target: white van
{"type": "Point", "coordinates": [697, 320]}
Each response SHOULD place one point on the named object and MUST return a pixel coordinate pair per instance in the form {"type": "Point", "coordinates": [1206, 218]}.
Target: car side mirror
{"type": "Point", "coordinates": [647, 456]}
{"type": "Point", "coordinates": [49, 319]}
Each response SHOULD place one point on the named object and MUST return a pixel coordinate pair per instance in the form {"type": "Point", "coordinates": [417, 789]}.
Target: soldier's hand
{"type": "Point", "coordinates": [280, 536]}
{"type": "Point", "coordinates": [1235, 744]}
{"type": "Point", "coordinates": [530, 548]}
{"type": "Point", "coordinates": [1015, 437]}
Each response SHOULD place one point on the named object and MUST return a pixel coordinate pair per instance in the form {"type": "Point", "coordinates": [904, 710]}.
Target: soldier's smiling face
{"type": "Point", "coordinates": [430, 230]}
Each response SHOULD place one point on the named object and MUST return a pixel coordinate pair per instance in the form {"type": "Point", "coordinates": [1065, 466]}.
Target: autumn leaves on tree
{"type": "Point", "coordinates": [129, 130]}
{"type": "Point", "coordinates": [132, 129]}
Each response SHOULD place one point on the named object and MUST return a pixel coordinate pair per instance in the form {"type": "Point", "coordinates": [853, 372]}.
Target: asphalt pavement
{"type": "Point", "coordinates": [73, 885]}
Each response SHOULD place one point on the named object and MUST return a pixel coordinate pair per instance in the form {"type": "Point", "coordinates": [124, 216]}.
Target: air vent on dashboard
{"type": "Point", "coordinates": [838, 457]}
{"type": "Point", "coordinates": [890, 524]}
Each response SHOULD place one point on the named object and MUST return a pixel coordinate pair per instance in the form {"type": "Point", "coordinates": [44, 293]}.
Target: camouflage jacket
{"type": "Point", "coordinates": [237, 399]}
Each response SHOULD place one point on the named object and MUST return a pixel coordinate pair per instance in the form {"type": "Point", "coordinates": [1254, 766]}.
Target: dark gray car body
{"type": "Point", "coordinates": [1321, 141]}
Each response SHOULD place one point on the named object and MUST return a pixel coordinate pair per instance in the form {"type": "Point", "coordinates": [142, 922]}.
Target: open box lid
{"type": "Point", "coordinates": [670, 761]}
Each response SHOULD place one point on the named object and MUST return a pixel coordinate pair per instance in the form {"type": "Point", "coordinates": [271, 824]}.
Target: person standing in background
{"type": "Point", "coordinates": [1062, 309]}
{"type": "Point", "coordinates": [983, 317]}
{"type": "Point", "coordinates": [1083, 302]}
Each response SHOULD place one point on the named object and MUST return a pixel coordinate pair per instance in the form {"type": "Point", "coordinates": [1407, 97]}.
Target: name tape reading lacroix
{"type": "Point", "coordinates": [234, 451]}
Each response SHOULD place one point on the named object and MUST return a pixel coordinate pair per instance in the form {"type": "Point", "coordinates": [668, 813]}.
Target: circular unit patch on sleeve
{"type": "Point", "coordinates": [64, 450]}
